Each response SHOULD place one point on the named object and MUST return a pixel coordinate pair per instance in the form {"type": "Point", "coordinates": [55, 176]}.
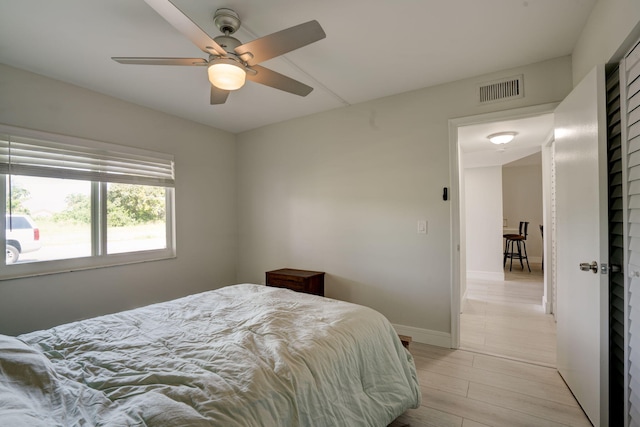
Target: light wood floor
{"type": "Point", "coordinates": [505, 375]}
{"type": "Point", "coordinates": [507, 318]}
{"type": "Point", "coordinates": [466, 389]}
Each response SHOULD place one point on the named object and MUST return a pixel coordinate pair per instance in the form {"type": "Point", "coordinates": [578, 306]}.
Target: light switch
{"type": "Point", "coordinates": [422, 226]}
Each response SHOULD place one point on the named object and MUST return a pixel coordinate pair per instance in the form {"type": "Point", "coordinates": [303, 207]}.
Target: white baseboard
{"type": "Point", "coordinates": [485, 275]}
{"type": "Point", "coordinates": [547, 305]}
{"type": "Point", "coordinates": [425, 336]}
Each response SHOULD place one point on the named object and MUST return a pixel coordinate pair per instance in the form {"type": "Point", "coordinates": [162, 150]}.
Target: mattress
{"type": "Point", "coordinates": [243, 355]}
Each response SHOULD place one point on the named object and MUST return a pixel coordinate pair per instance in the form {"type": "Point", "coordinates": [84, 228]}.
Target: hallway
{"type": "Point", "coordinates": [507, 319]}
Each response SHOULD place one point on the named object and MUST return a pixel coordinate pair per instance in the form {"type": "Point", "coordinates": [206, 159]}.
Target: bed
{"type": "Point", "coordinates": [243, 355]}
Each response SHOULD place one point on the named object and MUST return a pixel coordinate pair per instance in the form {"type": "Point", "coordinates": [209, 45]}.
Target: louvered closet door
{"type": "Point", "coordinates": [616, 253]}
{"type": "Point", "coordinates": [630, 108]}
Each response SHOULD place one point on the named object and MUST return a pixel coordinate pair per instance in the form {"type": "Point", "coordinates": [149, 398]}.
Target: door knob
{"type": "Point", "coordinates": [586, 266]}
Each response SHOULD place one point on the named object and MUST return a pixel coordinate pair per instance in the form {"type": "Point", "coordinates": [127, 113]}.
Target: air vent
{"type": "Point", "coordinates": [500, 90]}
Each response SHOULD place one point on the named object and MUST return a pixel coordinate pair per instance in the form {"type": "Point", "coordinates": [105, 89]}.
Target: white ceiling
{"type": "Point", "coordinates": [374, 48]}
{"type": "Point", "coordinates": [531, 134]}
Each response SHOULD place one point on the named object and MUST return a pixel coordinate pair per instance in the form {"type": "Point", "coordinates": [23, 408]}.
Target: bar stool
{"type": "Point", "coordinates": [521, 245]}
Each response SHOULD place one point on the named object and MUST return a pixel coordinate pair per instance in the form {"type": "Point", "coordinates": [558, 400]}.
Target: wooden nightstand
{"type": "Point", "coordinates": [406, 340]}
{"type": "Point", "coordinates": [310, 282]}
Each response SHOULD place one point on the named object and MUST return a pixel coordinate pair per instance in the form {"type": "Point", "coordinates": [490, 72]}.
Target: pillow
{"type": "Point", "coordinates": [33, 393]}
{"type": "Point", "coordinates": [21, 364]}
{"type": "Point", "coordinates": [25, 382]}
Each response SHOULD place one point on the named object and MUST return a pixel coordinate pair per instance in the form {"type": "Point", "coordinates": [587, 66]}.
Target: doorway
{"type": "Point", "coordinates": [594, 340]}
{"type": "Point", "coordinates": [494, 281]}
{"type": "Point", "coordinates": [503, 314]}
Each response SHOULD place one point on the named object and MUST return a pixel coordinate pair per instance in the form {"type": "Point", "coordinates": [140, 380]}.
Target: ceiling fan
{"type": "Point", "coordinates": [230, 62]}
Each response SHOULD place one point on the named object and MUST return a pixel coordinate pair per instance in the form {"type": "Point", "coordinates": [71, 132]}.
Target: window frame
{"type": "Point", "coordinates": [99, 257]}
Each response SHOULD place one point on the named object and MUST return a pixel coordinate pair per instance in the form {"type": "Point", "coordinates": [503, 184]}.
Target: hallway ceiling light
{"type": "Point", "coordinates": [501, 137]}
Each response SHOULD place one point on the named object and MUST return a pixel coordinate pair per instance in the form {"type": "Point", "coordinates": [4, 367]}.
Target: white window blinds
{"type": "Point", "coordinates": [25, 152]}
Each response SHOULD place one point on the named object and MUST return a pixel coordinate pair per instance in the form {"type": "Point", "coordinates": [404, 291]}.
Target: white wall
{"type": "Point", "coordinates": [611, 29]}
{"type": "Point", "coordinates": [205, 204]}
{"type": "Point", "coordinates": [483, 213]}
{"type": "Point", "coordinates": [522, 199]}
{"type": "Point", "coordinates": [460, 274]}
{"type": "Point", "coordinates": [341, 191]}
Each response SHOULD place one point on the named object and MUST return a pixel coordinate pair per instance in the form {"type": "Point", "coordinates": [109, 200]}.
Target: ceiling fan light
{"type": "Point", "coordinates": [501, 137]}
{"type": "Point", "coordinates": [225, 74]}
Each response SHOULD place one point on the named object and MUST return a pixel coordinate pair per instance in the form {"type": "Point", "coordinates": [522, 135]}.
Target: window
{"type": "Point", "coordinates": [76, 204]}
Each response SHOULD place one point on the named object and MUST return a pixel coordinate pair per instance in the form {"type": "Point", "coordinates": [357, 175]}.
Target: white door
{"type": "Point", "coordinates": [581, 203]}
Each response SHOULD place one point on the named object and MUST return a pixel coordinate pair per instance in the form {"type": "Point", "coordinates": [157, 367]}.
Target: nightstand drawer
{"type": "Point", "coordinates": [294, 285]}
{"type": "Point", "coordinates": [310, 282]}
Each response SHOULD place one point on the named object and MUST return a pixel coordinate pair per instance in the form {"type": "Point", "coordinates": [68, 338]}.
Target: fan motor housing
{"type": "Point", "coordinates": [227, 20]}
{"type": "Point", "coordinates": [228, 43]}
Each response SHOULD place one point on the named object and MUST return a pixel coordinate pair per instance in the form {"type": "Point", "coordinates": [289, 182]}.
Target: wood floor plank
{"type": "Point", "coordinates": [473, 321]}
{"type": "Point", "coordinates": [474, 341]}
{"type": "Point", "coordinates": [427, 417]}
{"type": "Point", "coordinates": [482, 412]}
{"type": "Point", "coordinates": [515, 342]}
{"type": "Point", "coordinates": [519, 369]}
{"type": "Point", "coordinates": [545, 359]}
{"type": "Point", "coordinates": [505, 305]}
{"type": "Point", "coordinates": [531, 387]}
{"type": "Point", "coordinates": [527, 353]}
{"type": "Point", "coordinates": [547, 341]}
{"type": "Point", "coordinates": [444, 382]}
{"type": "Point", "coordinates": [441, 353]}
{"type": "Point", "coordinates": [519, 328]}
{"type": "Point", "coordinates": [470, 423]}
{"type": "Point", "coordinates": [529, 319]}
{"type": "Point", "coordinates": [474, 306]}
{"type": "Point", "coordinates": [542, 408]}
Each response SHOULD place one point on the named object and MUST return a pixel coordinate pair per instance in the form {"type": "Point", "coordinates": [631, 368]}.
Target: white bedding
{"type": "Point", "coordinates": [243, 355]}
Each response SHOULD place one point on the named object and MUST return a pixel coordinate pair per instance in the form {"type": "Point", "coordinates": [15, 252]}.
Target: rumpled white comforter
{"type": "Point", "coordinates": [243, 355]}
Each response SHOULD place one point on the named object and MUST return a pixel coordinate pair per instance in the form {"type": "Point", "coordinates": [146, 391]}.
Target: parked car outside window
{"type": "Point", "coordinates": [22, 235]}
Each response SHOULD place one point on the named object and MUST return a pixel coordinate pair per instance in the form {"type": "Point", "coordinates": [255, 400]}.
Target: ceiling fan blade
{"type": "Point", "coordinates": [276, 80]}
{"type": "Point", "coordinates": [218, 96]}
{"type": "Point", "coordinates": [160, 61]}
{"type": "Point", "coordinates": [186, 26]}
{"type": "Point", "coordinates": [279, 43]}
